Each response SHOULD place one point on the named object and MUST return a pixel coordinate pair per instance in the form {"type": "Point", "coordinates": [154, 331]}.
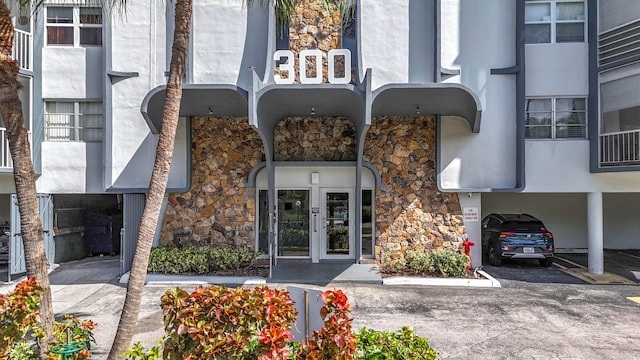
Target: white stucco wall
{"type": "Point", "coordinates": [71, 167]}
{"type": "Point", "coordinates": [218, 37]}
{"type": "Point", "coordinates": [384, 42]}
{"type": "Point", "coordinates": [475, 46]}
{"type": "Point", "coordinates": [72, 73]}
{"type": "Point", "coordinates": [557, 70]}
{"type": "Point", "coordinates": [565, 215]}
{"type": "Point", "coordinates": [137, 45]}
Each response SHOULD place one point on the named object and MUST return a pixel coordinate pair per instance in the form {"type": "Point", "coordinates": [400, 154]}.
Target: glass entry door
{"type": "Point", "coordinates": [293, 223]}
{"type": "Point", "coordinates": [337, 232]}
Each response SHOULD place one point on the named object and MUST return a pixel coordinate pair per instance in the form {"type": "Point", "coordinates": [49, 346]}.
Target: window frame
{"type": "Point", "coordinates": [553, 21]}
{"type": "Point", "coordinates": [76, 130]}
{"type": "Point", "coordinates": [76, 24]}
{"type": "Point", "coordinates": [554, 125]}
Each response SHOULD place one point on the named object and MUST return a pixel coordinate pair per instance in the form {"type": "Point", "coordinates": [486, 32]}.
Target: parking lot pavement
{"type": "Point", "coordinates": [621, 267]}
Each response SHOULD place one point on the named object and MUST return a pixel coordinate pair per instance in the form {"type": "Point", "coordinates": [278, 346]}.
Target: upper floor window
{"type": "Point", "coordinates": [554, 21]}
{"type": "Point", "coordinates": [556, 118]}
{"type": "Point", "coordinates": [73, 121]}
{"type": "Point", "coordinates": [74, 26]}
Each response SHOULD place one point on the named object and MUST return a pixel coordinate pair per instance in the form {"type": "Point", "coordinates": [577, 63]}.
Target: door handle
{"type": "Point", "coordinates": [315, 223]}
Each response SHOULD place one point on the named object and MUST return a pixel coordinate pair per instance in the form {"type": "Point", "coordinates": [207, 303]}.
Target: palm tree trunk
{"type": "Point", "coordinates": [23, 174]}
{"type": "Point", "coordinates": [158, 184]}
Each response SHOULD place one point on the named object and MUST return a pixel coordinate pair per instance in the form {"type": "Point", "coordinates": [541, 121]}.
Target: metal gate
{"type": "Point", "coordinates": [133, 206]}
{"type": "Point", "coordinates": [17, 264]}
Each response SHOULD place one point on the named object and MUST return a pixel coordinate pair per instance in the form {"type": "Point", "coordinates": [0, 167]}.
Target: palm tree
{"type": "Point", "coordinates": [158, 183]}
{"type": "Point", "coordinates": [23, 173]}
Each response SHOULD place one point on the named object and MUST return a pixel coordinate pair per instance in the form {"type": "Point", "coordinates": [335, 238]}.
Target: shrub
{"type": "Point", "coordinates": [401, 344]}
{"type": "Point", "coordinates": [393, 261]}
{"type": "Point", "coordinates": [220, 323]}
{"type": "Point", "coordinates": [19, 325]}
{"type": "Point", "coordinates": [420, 262]}
{"type": "Point", "coordinates": [443, 263]}
{"type": "Point", "coordinates": [334, 340]}
{"type": "Point", "coordinates": [199, 260]}
{"type": "Point", "coordinates": [450, 263]}
{"type": "Point", "coordinates": [19, 319]}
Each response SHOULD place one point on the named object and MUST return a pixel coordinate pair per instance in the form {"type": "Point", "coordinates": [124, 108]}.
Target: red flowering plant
{"type": "Point", "coordinates": [335, 340]}
{"type": "Point", "coordinates": [219, 323]}
{"type": "Point", "coordinates": [19, 317]}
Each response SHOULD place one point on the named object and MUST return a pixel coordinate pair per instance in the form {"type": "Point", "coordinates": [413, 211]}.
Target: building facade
{"type": "Point", "coordinates": [349, 134]}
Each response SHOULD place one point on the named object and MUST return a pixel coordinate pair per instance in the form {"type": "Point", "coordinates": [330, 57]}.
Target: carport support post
{"type": "Point", "coordinates": [595, 233]}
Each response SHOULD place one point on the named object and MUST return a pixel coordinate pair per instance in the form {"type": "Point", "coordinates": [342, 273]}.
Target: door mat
{"type": "Point", "coordinates": [603, 279]}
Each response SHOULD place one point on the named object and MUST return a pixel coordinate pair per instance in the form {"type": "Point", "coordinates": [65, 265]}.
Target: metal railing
{"type": "Point", "coordinates": [23, 49]}
{"type": "Point", "coordinates": [620, 148]}
{"type": "Point", "coordinates": [5, 155]}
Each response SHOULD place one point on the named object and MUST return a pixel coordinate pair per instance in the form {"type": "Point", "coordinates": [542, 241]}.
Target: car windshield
{"type": "Point", "coordinates": [524, 226]}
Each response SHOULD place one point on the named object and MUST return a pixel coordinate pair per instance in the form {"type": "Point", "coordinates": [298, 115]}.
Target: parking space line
{"type": "Point", "coordinates": [560, 266]}
{"type": "Point", "coordinates": [631, 255]}
{"type": "Point", "coordinates": [570, 262]}
{"type": "Point", "coordinates": [634, 299]}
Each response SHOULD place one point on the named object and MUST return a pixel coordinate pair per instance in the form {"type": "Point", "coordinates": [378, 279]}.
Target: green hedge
{"type": "Point", "coordinates": [199, 260]}
{"type": "Point", "coordinates": [442, 263]}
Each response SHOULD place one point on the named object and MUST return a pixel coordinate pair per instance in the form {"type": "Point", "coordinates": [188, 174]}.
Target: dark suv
{"type": "Point", "coordinates": [516, 236]}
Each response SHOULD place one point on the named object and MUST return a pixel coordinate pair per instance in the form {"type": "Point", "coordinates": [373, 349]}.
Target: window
{"type": "Point", "coordinates": [553, 21]}
{"type": "Point", "coordinates": [556, 118]}
{"type": "Point", "coordinates": [74, 26]}
{"type": "Point", "coordinates": [73, 121]}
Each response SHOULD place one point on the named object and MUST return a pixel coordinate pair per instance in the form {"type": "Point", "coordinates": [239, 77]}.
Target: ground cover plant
{"type": "Point", "coordinates": [221, 323]}
{"type": "Point", "coordinates": [20, 326]}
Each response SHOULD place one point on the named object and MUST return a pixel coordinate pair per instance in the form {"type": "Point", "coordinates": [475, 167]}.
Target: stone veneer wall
{"type": "Point", "coordinates": [312, 27]}
{"type": "Point", "coordinates": [411, 214]}
{"type": "Point", "coordinates": [315, 139]}
{"type": "Point", "coordinates": [218, 209]}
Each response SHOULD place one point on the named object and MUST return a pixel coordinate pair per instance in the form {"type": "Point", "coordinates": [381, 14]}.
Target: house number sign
{"type": "Point", "coordinates": [289, 66]}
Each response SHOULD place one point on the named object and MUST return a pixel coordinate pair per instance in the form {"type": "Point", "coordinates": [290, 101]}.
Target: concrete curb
{"type": "Point", "coordinates": [488, 281]}
{"type": "Point", "coordinates": [158, 279]}
{"type": "Point", "coordinates": [164, 280]}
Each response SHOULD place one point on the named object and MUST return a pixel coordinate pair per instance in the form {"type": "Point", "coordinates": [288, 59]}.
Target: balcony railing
{"type": "Point", "coordinates": [23, 49]}
{"type": "Point", "coordinates": [5, 155]}
{"type": "Point", "coordinates": [620, 148]}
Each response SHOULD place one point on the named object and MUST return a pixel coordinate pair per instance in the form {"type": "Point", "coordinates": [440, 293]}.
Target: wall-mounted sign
{"type": "Point", "coordinates": [287, 67]}
{"type": "Point", "coordinates": [470, 214]}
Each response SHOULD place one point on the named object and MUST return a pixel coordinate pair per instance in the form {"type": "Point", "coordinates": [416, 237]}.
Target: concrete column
{"type": "Point", "coordinates": [595, 233]}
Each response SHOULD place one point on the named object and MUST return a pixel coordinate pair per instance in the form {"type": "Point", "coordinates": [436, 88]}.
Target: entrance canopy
{"type": "Point", "coordinates": [428, 99]}
{"type": "Point", "coordinates": [197, 100]}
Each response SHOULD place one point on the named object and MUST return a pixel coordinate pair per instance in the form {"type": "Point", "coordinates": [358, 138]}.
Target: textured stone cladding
{"type": "Point", "coordinates": [411, 214]}
{"type": "Point", "coordinates": [219, 208]}
{"type": "Point", "coordinates": [314, 26]}
{"type": "Point", "coordinates": [315, 139]}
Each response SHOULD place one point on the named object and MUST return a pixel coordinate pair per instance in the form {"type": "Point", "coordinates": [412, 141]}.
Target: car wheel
{"type": "Point", "coordinates": [546, 262]}
{"type": "Point", "coordinates": [494, 258]}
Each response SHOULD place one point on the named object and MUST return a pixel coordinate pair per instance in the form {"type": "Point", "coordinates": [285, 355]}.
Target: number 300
{"type": "Point", "coordinates": [289, 66]}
